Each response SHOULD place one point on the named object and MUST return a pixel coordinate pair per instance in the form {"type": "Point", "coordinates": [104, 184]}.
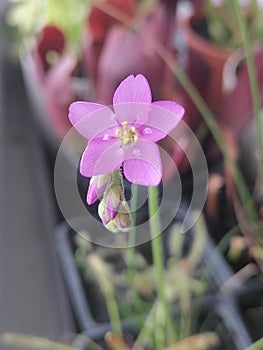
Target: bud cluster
{"type": "Point", "coordinates": [113, 209]}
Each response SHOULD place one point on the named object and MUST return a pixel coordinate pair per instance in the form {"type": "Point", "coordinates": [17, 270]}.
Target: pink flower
{"type": "Point", "coordinates": [126, 135]}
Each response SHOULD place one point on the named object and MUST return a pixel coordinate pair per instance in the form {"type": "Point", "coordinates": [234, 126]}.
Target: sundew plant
{"type": "Point", "coordinates": [121, 144]}
{"type": "Point", "coordinates": [121, 141]}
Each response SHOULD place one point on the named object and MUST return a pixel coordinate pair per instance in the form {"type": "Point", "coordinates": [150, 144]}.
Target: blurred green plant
{"type": "Point", "coordinates": [28, 17]}
{"type": "Point", "coordinates": [222, 24]}
{"type": "Point", "coordinates": [108, 268]}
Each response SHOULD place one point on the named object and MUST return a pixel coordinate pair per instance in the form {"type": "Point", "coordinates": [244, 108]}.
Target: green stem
{"type": "Point", "coordinates": [99, 269]}
{"type": "Point", "coordinates": [116, 177]}
{"type": "Point", "coordinates": [157, 251]}
{"type": "Point", "coordinates": [206, 114]}
{"type": "Point", "coordinates": [252, 75]}
{"type": "Point", "coordinates": [217, 134]}
{"type": "Point", "coordinates": [132, 234]}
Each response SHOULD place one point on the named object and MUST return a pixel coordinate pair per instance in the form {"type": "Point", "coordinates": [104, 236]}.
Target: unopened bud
{"type": "Point", "coordinates": [113, 199]}
{"type": "Point", "coordinates": [122, 221]}
{"type": "Point", "coordinates": [103, 213]}
{"type": "Point", "coordinates": [97, 186]}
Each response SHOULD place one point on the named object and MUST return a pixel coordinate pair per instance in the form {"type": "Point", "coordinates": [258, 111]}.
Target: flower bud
{"type": "Point", "coordinates": [97, 186]}
{"type": "Point", "coordinates": [103, 213]}
{"type": "Point", "coordinates": [123, 218]}
{"type": "Point", "coordinates": [113, 199]}
{"type": "Point", "coordinates": [122, 221]}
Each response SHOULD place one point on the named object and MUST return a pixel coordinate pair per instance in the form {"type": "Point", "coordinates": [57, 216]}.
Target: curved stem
{"type": "Point", "coordinates": [213, 126]}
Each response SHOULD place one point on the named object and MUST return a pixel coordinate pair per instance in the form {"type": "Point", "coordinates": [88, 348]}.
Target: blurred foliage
{"type": "Point", "coordinates": [223, 23]}
{"type": "Point", "coordinates": [20, 341]}
{"type": "Point", "coordinates": [28, 17]}
{"type": "Point", "coordinates": [107, 270]}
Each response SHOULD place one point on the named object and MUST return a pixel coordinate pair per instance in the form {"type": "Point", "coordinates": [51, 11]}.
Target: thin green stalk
{"type": "Point", "coordinates": [217, 134]}
{"type": "Point", "coordinates": [185, 320]}
{"type": "Point", "coordinates": [132, 234]}
{"type": "Point", "coordinates": [157, 250]}
{"type": "Point", "coordinates": [99, 270]}
{"type": "Point", "coordinates": [116, 177]}
{"type": "Point", "coordinates": [252, 75]}
{"type": "Point", "coordinates": [206, 114]}
{"type": "Point", "coordinates": [147, 329]}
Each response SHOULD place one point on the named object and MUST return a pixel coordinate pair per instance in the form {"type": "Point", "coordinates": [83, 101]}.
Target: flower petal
{"type": "Point", "coordinates": [101, 157]}
{"type": "Point", "coordinates": [142, 164]}
{"type": "Point", "coordinates": [90, 118]}
{"type": "Point", "coordinates": [148, 132]}
{"type": "Point", "coordinates": [134, 113]}
{"type": "Point", "coordinates": [97, 187]}
{"type": "Point", "coordinates": [132, 98]}
{"type": "Point", "coordinates": [163, 118]}
{"type": "Point", "coordinates": [133, 89]}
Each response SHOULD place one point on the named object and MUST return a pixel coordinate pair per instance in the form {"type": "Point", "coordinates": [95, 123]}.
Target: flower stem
{"type": "Point", "coordinates": [132, 233]}
{"type": "Point", "coordinates": [97, 266]}
{"type": "Point", "coordinates": [252, 75]}
{"type": "Point", "coordinates": [116, 177]}
{"type": "Point", "coordinates": [213, 126]}
{"type": "Point", "coordinates": [157, 250]}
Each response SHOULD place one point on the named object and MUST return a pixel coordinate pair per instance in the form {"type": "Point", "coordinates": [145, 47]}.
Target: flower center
{"type": "Point", "coordinates": [127, 135]}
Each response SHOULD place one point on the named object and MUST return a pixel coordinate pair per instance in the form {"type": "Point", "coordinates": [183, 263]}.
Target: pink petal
{"type": "Point", "coordinates": [163, 118]}
{"type": "Point", "coordinates": [133, 89]}
{"type": "Point", "coordinates": [133, 112]}
{"type": "Point", "coordinates": [90, 118]}
{"type": "Point", "coordinates": [97, 187]}
{"type": "Point", "coordinates": [147, 132]}
{"type": "Point", "coordinates": [101, 157]}
{"type": "Point", "coordinates": [132, 98]}
{"type": "Point", "coordinates": [143, 164]}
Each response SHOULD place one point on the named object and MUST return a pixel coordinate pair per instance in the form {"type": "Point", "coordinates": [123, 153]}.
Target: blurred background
{"type": "Point", "coordinates": [55, 52]}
